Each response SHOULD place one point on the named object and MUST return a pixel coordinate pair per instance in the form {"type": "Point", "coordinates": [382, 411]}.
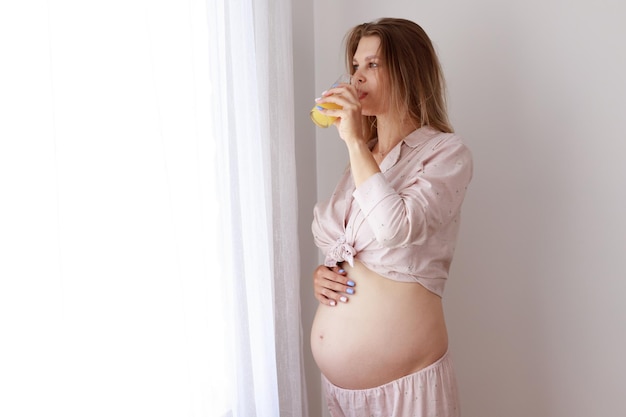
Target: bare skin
{"type": "Point", "coordinates": [386, 330]}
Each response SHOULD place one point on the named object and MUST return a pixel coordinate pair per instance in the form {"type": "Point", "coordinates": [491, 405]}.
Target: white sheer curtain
{"type": "Point", "coordinates": [148, 262]}
{"type": "Point", "coordinates": [252, 80]}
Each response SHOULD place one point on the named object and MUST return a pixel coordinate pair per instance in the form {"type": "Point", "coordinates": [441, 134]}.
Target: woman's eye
{"type": "Point", "coordinates": [355, 67]}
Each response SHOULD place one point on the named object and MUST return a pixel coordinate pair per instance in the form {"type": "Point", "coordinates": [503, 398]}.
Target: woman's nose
{"type": "Point", "coordinates": [358, 78]}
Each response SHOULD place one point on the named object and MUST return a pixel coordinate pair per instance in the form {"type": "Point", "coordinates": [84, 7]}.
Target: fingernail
{"type": "Point", "coordinates": [318, 99]}
{"type": "Point", "coordinates": [341, 271]}
{"type": "Point", "coordinates": [319, 107]}
{"type": "Point", "coordinates": [324, 92]}
{"type": "Point", "coordinates": [351, 283]}
{"type": "Point", "coordinates": [332, 303]}
{"type": "Point", "coordinates": [343, 299]}
{"type": "Point", "coordinates": [350, 290]}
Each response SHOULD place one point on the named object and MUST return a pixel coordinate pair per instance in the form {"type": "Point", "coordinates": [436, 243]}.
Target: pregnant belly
{"type": "Point", "coordinates": [387, 330]}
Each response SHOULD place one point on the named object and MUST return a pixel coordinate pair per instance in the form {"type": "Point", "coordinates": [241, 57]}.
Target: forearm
{"type": "Point", "coordinates": [362, 162]}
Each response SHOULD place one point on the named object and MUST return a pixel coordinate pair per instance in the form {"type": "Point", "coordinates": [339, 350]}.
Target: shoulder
{"type": "Point", "coordinates": [427, 138]}
{"type": "Point", "coordinates": [444, 155]}
{"type": "Point", "coordinates": [429, 143]}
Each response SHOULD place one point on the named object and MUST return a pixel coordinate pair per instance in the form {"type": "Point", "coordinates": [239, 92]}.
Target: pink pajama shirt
{"type": "Point", "coordinates": [401, 223]}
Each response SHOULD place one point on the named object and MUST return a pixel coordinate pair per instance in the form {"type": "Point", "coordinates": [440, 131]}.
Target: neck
{"type": "Point", "coordinates": [390, 133]}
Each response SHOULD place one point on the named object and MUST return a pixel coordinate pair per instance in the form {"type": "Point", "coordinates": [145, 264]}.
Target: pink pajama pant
{"type": "Point", "coordinates": [430, 392]}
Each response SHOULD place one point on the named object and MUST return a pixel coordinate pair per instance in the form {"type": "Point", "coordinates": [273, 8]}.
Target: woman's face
{"type": "Point", "coordinates": [370, 77]}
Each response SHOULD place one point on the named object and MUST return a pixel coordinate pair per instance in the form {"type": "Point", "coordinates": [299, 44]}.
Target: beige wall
{"type": "Point", "coordinates": [536, 299]}
{"type": "Point", "coordinates": [304, 67]}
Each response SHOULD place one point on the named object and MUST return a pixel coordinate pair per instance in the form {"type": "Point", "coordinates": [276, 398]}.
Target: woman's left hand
{"type": "Point", "coordinates": [350, 126]}
{"type": "Point", "coordinates": [349, 121]}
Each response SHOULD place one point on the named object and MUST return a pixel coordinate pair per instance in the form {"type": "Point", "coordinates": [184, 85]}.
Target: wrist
{"type": "Point", "coordinates": [357, 146]}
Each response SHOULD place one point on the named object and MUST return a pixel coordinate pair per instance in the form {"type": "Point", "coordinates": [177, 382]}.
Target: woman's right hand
{"type": "Point", "coordinates": [331, 285]}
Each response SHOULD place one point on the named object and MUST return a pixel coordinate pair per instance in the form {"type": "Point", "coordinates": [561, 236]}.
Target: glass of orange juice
{"type": "Point", "coordinates": [321, 119]}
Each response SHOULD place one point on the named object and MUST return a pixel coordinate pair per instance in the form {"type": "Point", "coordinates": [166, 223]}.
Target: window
{"type": "Point", "coordinates": [137, 248]}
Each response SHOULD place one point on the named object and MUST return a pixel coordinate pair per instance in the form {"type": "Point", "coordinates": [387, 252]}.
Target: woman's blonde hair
{"type": "Point", "coordinates": [415, 76]}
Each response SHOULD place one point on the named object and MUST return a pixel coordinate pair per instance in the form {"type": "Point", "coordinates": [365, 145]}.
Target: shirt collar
{"type": "Point", "coordinates": [414, 139]}
{"type": "Point", "coordinates": [420, 136]}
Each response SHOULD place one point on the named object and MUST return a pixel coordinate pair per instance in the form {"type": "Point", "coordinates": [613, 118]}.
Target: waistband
{"type": "Point", "coordinates": [434, 368]}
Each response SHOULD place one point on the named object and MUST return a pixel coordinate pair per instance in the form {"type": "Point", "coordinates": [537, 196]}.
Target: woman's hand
{"type": "Point", "coordinates": [331, 285]}
{"type": "Point", "coordinates": [350, 126]}
{"type": "Point", "coordinates": [349, 120]}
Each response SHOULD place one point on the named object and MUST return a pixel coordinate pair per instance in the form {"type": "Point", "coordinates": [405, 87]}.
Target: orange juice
{"type": "Point", "coordinates": [321, 119]}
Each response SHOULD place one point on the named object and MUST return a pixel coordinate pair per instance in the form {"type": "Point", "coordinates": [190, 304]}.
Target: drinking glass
{"type": "Point", "coordinates": [323, 120]}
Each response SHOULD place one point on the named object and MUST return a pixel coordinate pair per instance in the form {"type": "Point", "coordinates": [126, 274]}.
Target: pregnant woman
{"type": "Point", "coordinates": [388, 231]}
